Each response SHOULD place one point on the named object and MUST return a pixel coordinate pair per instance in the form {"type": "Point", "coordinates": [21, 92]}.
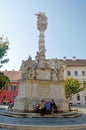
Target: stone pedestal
{"type": "Point", "coordinates": [33, 91]}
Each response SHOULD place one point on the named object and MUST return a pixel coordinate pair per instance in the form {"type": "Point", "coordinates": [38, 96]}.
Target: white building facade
{"type": "Point", "coordinates": [76, 68]}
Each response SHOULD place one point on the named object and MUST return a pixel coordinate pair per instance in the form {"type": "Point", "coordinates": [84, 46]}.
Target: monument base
{"type": "Point", "coordinates": [25, 104]}
{"type": "Point", "coordinates": [32, 92]}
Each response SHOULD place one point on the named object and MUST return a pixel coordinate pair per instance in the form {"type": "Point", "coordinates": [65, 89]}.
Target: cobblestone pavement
{"type": "Point", "coordinates": [45, 121]}
{"type": "Point", "coordinates": [80, 109]}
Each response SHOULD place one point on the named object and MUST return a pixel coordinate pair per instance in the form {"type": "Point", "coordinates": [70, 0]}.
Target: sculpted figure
{"type": "Point", "coordinates": [30, 58]}
{"type": "Point", "coordinates": [37, 57]}
{"type": "Point", "coordinates": [21, 68]}
{"type": "Point", "coordinates": [34, 74]}
{"type": "Point", "coordinates": [24, 70]}
{"type": "Point", "coordinates": [51, 74]}
{"type": "Point", "coordinates": [42, 21]}
{"type": "Point", "coordinates": [60, 70]}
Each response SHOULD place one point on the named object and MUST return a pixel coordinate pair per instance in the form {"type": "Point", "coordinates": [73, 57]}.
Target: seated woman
{"type": "Point", "coordinates": [48, 107]}
{"type": "Point", "coordinates": [36, 107]}
{"type": "Point", "coordinates": [42, 107]}
{"type": "Point", "coordinates": [53, 106]}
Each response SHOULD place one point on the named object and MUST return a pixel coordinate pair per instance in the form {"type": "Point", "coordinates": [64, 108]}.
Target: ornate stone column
{"type": "Point", "coordinates": [41, 26]}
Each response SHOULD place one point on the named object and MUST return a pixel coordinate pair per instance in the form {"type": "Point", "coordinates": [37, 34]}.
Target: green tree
{"type": "Point", "coordinates": [4, 46]}
{"type": "Point", "coordinates": [72, 87]}
{"type": "Point", "coordinates": [4, 80]}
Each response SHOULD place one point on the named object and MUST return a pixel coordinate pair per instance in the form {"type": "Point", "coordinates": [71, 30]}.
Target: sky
{"type": "Point", "coordinates": [65, 34]}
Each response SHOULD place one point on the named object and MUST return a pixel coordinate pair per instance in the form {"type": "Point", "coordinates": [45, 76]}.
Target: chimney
{"type": "Point", "coordinates": [74, 58]}
{"type": "Point", "coordinates": [64, 58]}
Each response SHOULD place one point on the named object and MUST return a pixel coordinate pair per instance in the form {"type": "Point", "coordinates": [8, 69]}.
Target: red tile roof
{"type": "Point", "coordinates": [13, 75]}
{"type": "Point", "coordinates": [77, 62]}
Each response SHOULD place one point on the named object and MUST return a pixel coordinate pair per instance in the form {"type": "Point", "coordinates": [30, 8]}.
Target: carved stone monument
{"type": "Point", "coordinates": [41, 78]}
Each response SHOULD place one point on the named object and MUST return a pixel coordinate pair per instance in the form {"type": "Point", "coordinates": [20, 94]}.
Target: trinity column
{"type": "Point", "coordinates": [39, 79]}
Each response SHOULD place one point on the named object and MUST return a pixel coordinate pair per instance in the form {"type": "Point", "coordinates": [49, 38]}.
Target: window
{"type": "Point", "coordinates": [70, 104]}
{"type": "Point", "coordinates": [83, 73]}
{"type": "Point", "coordinates": [68, 73]}
{"type": "Point", "coordinates": [13, 97]}
{"type": "Point", "coordinates": [78, 97]}
{"type": "Point", "coordinates": [78, 104]}
{"type": "Point", "coordinates": [6, 87]}
{"type": "Point", "coordinates": [84, 83]}
{"type": "Point", "coordinates": [76, 73]}
{"type": "Point", "coordinates": [85, 97]}
{"type": "Point", "coordinates": [4, 97]}
{"type": "Point", "coordinates": [13, 88]}
{"type": "Point", "coordinates": [70, 98]}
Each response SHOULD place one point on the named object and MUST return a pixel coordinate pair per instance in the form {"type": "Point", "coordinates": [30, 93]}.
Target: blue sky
{"type": "Point", "coordinates": [65, 34]}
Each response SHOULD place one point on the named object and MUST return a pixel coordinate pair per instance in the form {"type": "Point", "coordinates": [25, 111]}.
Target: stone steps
{"type": "Point", "coordinates": [38, 115]}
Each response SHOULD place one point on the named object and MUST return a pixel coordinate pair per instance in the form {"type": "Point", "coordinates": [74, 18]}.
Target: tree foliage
{"type": "Point", "coordinates": [72, 87]}
{"type": "Point", "coordinates": [4, 80]}
{"type": "Point", "coordinates": [4, 46]}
